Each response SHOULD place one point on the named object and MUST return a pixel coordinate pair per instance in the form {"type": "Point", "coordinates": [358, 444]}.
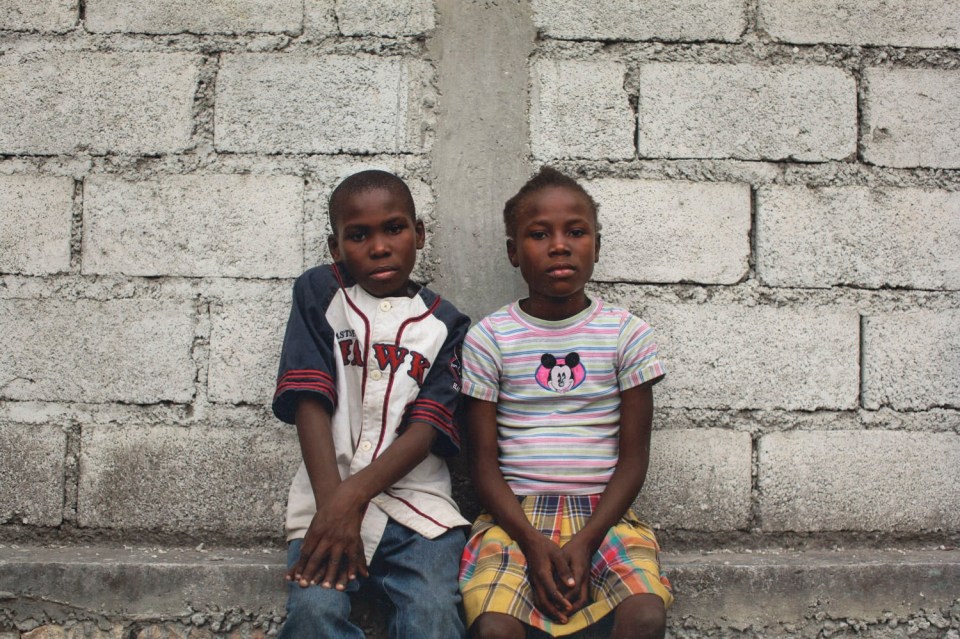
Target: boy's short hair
{"type": "Point", "coordinates": [546, 177]}
{"type": "Point", "coordinates": [365, 181]}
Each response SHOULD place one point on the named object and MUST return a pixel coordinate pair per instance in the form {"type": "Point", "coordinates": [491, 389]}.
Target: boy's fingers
{"type": "Point", "coordinates": [332, 574]}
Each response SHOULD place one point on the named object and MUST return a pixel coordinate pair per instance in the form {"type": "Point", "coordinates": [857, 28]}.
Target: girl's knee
{"type": "Point", "coordinates": [640, 617]}
{"type": "Point", "coordinates": [494, 625]}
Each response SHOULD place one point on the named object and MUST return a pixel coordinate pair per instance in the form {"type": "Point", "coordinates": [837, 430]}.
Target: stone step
{"type": "Point", "coordinates": [161, 592]}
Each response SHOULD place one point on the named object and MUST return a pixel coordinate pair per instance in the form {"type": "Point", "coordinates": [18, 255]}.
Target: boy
{"type": "Point", "coordinates": [370, 375]}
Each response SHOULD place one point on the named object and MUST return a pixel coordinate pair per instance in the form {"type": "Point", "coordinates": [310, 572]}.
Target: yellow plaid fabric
{"type": "Point", "coordinates": [493, 571]}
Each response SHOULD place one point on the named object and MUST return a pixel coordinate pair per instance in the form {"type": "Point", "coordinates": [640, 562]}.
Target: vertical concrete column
{"type": "Point", "coordinates": [481, 155]}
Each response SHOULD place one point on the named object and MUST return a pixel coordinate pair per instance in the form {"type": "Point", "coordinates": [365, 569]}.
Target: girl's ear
{"type": "Point", "coordinates": [596, 250]}
{"type": "Point", "coordinates": [421, 233]}
{"type": "Point", "coordinates": [334, 247]}
{"type": "Point", "coordinates": [512, 252]}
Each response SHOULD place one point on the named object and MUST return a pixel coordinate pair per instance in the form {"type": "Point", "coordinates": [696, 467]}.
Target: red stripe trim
{"type": "Point", "coordinates": [418, 511]}
{"type": "Point", "coordinates": [307, 372]}
{"type": "Point", "coordinates": [302, 385]}
{"type": "Point", "coordinates": [440, 408]}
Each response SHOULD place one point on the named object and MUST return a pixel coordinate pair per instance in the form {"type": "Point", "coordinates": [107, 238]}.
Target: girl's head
{"type": "Point", "coordinates": [546, 177]}
{"type": "Point", "coordinates": [553, 237]}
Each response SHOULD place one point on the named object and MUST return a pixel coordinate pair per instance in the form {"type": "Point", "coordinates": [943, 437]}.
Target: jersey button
{"type": "Point", "coordinates": [385, 306]}
{"type": "Point", "coordinates": [365, 446]}
{"type": "Point", "coordinates": [375, 375]}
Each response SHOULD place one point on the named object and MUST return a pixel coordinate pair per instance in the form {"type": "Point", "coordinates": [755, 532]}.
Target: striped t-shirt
{"type": "Point", "coordinates": [557, 387]}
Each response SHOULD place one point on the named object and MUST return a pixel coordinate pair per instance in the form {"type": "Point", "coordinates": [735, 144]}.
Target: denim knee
{"type": "Point", "coordinates": [315, 611]}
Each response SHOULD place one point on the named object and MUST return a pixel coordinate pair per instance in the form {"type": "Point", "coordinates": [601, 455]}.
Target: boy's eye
{"type": "Point", "coordinates": [394, 229]}
{"type": "Point", "coordinates": [356, 236]}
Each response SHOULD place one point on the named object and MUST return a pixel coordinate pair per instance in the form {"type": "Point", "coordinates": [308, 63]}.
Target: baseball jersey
{"type": "Point", "coordinates": [378, 364]}
{"type": "Point", "coordinates": [557, 387]}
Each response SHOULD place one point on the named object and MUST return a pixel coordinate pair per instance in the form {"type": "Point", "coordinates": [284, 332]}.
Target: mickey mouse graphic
{"type": "Point", "coordinates": [560, 375]}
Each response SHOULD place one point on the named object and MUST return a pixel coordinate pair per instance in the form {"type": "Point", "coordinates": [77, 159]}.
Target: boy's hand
{"type": "Point", "coordinates": [332, 551]}
{"type": "Point", "coordinates": [550, 576]}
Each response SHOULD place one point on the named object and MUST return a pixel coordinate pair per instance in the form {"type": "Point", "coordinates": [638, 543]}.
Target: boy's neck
{"type": "Point", "coordinates": [411, 290]}
{"type": "Point", "coordinates": [555, 309]}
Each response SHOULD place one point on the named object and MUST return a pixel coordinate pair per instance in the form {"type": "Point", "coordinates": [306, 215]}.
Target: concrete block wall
{"type": "Point", "coordinates": [780, 193]}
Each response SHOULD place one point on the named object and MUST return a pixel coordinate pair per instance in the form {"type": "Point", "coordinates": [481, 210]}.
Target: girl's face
{"type": "Point", "coordinates": [555, 246]}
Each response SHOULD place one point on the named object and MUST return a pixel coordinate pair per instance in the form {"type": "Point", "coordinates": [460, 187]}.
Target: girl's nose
{"type": "Point", "coordinates": [558, 244]}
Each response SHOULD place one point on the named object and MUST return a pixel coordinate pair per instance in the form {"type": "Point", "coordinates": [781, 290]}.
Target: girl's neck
{"type": "Point", "coordinates": [554, 309]}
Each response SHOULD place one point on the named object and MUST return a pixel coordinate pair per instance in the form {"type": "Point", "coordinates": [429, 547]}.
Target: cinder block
{"type": "Point", "coordinates": [56, 16]}
{"type": "Point", "coordinates": [245, 344]}
{"type": "Point", "coordinates": [911, 117]}
{"type": "Point", "coordinates": [31, 473]}
{"type": "Point", "coordinates": [681, 20]}
{"type": "Point", "coordinates": [747, 112]}
{"type": "Point", "coordinates": [905, 23]}
{"type": "Point", "coordinates": [580, 110]}
{"type": "Point", "coordinates": [184, 16]}
{"type": "Point", "coordinates": [871, 237]}
{"type": "Point", "coordinates": [97, 103]}
{"type": "Point", "coordinates": [232, 481]}
{"type": "Point", "coordinates": [35, 220]}
{"type": "Point", "coordinates": [658, 231]}
{"type": "Point", "coordinates": [273, 103]}
{"type": "Point", "coordinates": [131, 350]}
{"type": "Point", "coordinates": [889, 481]}
{"type": "Point", "coordinates": [373, 17]}
{"type": "Point", "coordinates": [194, 225]}
{"type": "Point", "coordinates": [698, 480]}
{"type": "Point", "coordinates": [912, 360]}
{"type": "Point", "coordinates": [720, 355]}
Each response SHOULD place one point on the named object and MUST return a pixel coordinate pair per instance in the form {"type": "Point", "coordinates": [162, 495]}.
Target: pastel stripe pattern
{"type": "Point", "coordinates": [561, 442]}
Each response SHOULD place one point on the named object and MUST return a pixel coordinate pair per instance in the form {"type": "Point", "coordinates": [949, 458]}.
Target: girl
{"type": "Point", "coordinates": [559, 414]}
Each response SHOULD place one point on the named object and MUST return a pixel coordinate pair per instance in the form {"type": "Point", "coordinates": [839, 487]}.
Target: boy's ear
{"type": "Point", "coordinates": [596, 252]}
{"type": "Point", "coordinates": [512, 252]}
{"type": "Point", "coordinates": [334, 247]}
{"type": "Point", "coordinates": [421, 233]}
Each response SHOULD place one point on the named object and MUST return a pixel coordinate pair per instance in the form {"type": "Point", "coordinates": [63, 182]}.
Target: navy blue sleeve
{"type": "Point", "coordinates": [307, 365]}
{"type": "Point", "coordinates": [440, 393]}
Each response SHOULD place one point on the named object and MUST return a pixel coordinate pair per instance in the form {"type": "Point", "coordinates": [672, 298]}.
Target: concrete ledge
{"type": "Point", "coordinates": [756, 594]}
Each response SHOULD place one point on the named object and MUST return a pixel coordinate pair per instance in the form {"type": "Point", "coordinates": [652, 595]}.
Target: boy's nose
{"type": "Point", "coordinates": [379, 246]}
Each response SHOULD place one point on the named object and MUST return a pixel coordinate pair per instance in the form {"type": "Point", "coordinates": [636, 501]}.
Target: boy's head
{"type": "Point", "coordinates": [553, 237]}
{"type": "Point", "coordinates": [375, 231]}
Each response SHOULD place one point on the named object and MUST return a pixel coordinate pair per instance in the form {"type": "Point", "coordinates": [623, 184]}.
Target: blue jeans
{"type": "Point", "coordinates": [417, 575]}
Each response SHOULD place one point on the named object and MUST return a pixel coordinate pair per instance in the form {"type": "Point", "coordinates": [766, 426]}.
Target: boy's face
{"type": "Point", "coordinates": [377, 239]}
{"type": "Point", "coordinates": [555, 246]}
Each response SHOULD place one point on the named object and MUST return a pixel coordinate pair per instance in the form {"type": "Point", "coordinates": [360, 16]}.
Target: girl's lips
{"type": "Point", "coordinates": [562, 270]}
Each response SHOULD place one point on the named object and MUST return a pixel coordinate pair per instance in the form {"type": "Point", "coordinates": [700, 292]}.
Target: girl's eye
{"type": "Point", "coordinates": [578, 232]}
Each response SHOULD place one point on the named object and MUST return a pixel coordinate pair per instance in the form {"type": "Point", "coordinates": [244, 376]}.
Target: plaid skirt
{"type": "Point", "coordinates": [493, 571]}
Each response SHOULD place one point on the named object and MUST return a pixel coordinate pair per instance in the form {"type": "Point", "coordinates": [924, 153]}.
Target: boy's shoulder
{"type": "Point", "coordinates": [442, 308]}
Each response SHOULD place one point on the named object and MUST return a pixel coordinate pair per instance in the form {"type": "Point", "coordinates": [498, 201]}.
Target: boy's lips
{"type": "Point", "coordinates": [383, 273]}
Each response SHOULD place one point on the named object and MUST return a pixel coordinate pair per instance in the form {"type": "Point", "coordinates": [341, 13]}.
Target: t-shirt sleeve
{"type": "Point", "coordinates": [482, 363]}
{"type": "Point", "coordinates": [437, 401]}
{"type": "Point", "coordinates": [307, 366]}
{"type": "Point", "coordinates": [638, 360]}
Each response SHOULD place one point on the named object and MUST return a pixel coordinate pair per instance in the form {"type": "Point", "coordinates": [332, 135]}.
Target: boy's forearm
{"type": "Point", "coordinates": [403, 455]}
{"type": "Point", "coordinates": [317, 448]}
